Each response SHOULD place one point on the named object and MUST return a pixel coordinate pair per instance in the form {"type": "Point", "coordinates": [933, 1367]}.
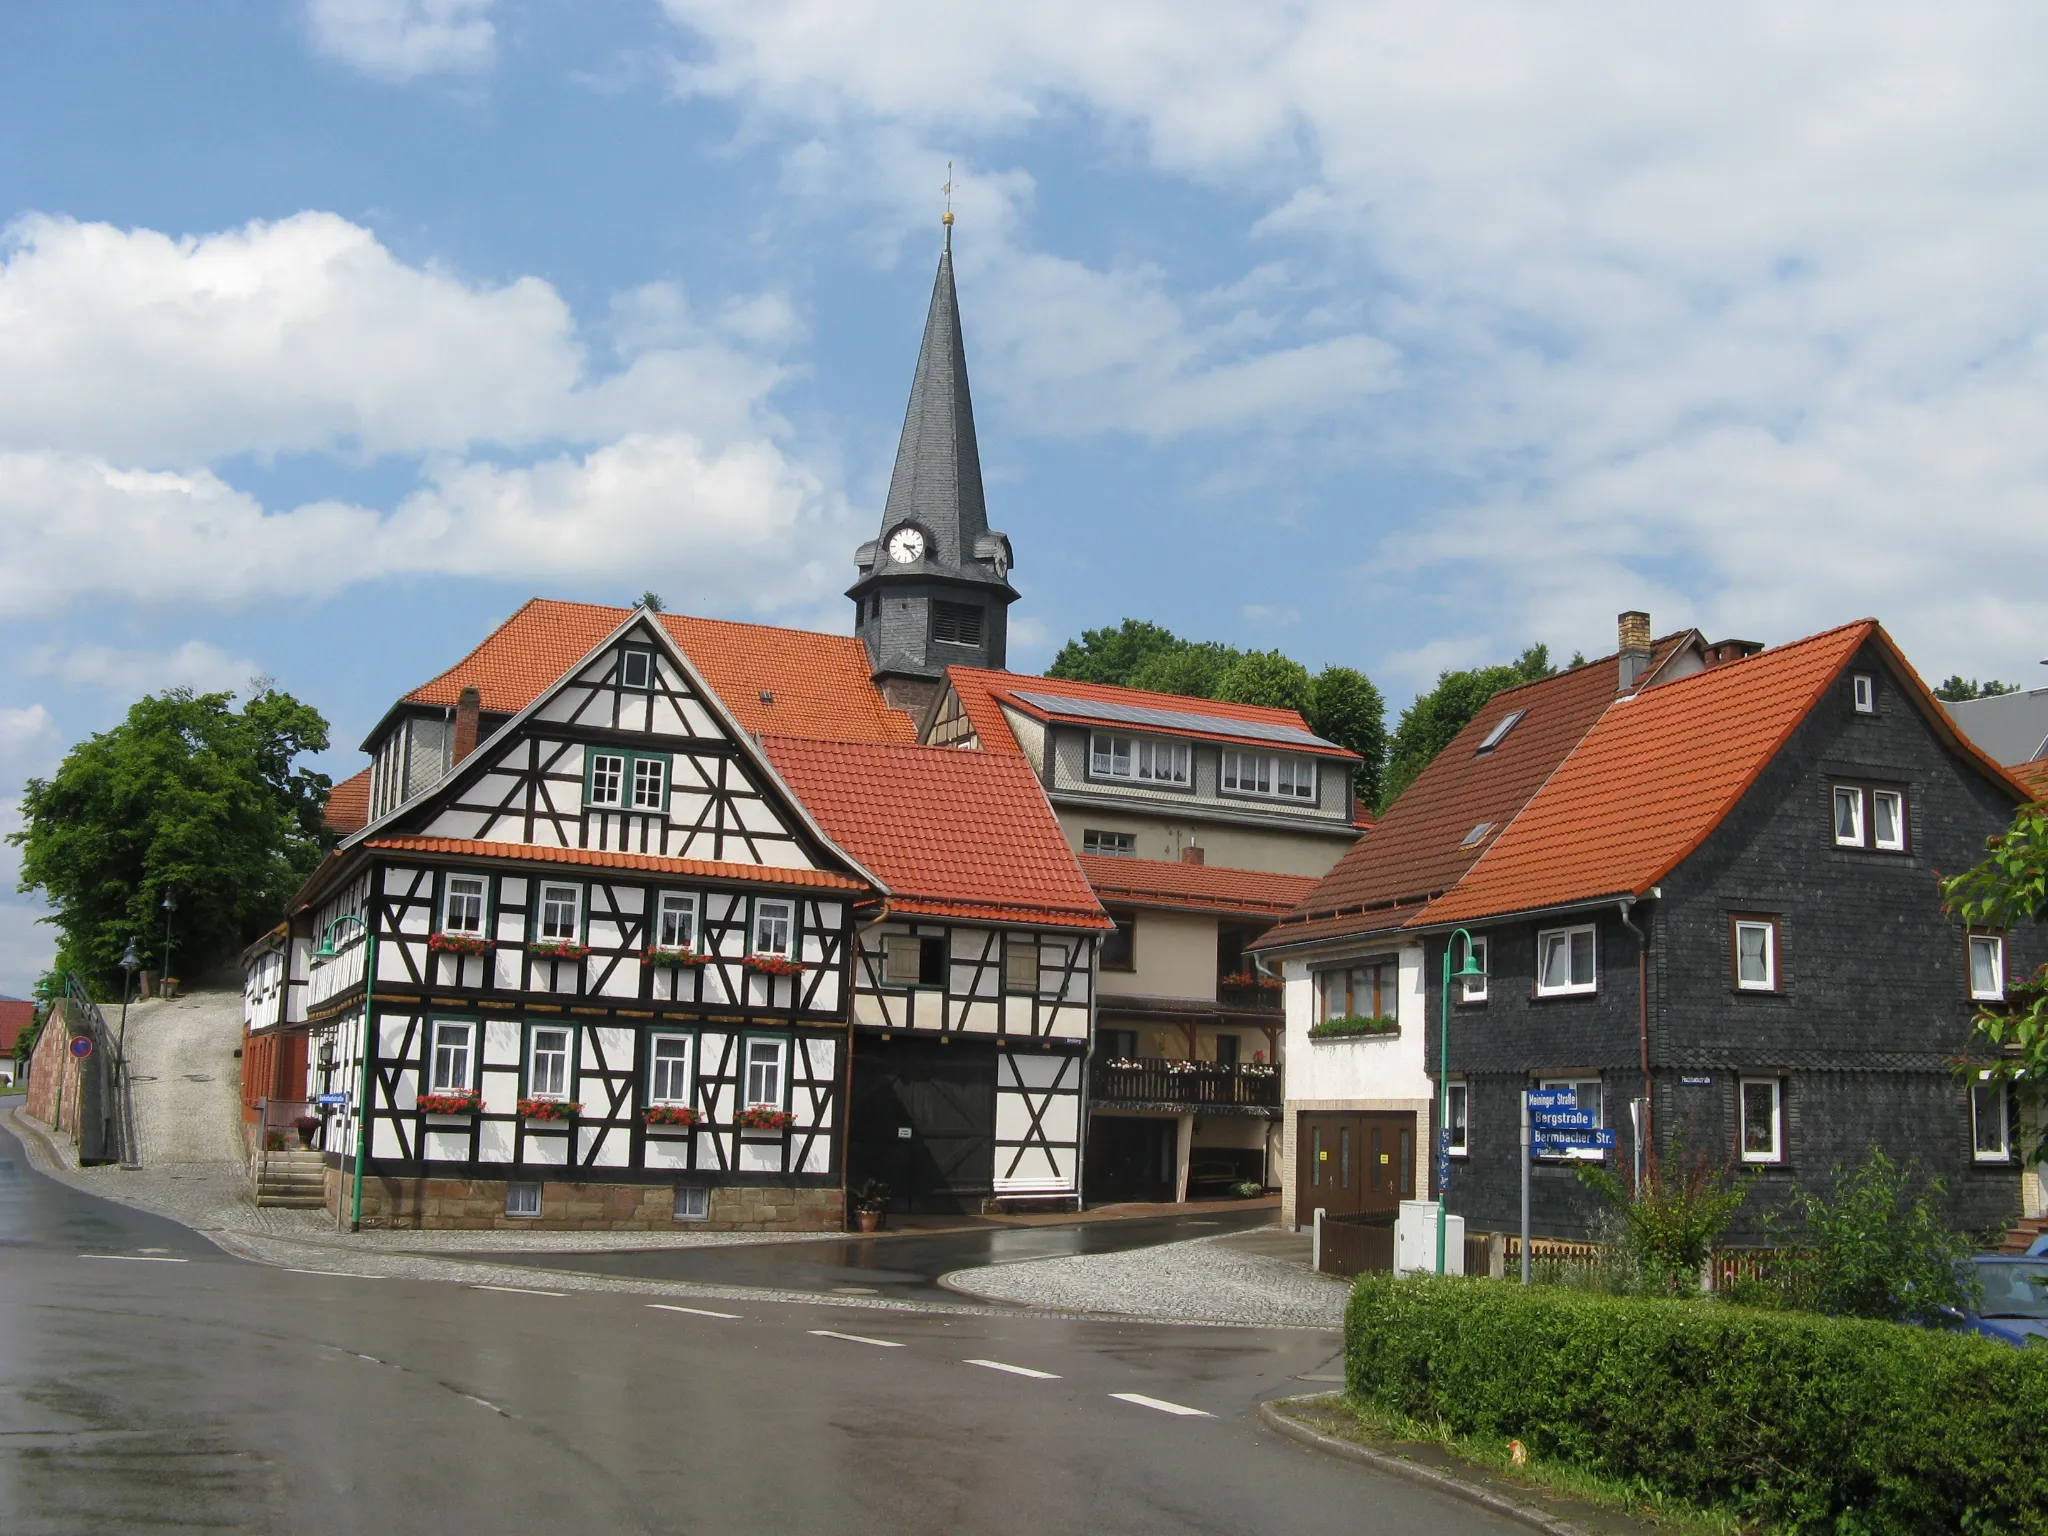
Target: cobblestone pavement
{"type": "Point", "coordinates": [185, 1082]}
{"type": "Point", "coordinates": [1208, 1280]}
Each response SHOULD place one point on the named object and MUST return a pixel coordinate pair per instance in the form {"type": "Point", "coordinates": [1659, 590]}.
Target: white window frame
{"type": "Point", "coordinates": [1140, 759]}
{"type": "Point", "coordinates": [1988, 1089]}
{"type": "Point", "coordinates": [627, 656]}
{"type": "Point", "coordinates": [548, 891]}
{"type": "Point", "coordinates": [1459, 1094]}
{"type": "Point", "coordinates": [1124, 845]}
{"type": "Point", "coordinates": [567, 1056]}
{"type": "Point", "coordinates": [1776, 1151]}
{"type": "Point", "coordinates": [762, 905]}
{"type": "Point", "coordinates": [1577, 1084]}
{"type": "Point", "coordinates": [1569, 987]}
{"type": "Point", "coordinates": [1897, 843]}
{"type": "Point", "coordinates": [470, 1031]}
{"type": "Point", "coordinates": [1475, 991]}
{"type": "Point", "coordinates": [1864, 685]}
{"type": "Point", "coordinates": [516, 1197]}
{"type": "Point", "coordinates": [693, 1203]}
{"type": "Point", "coordinates": [780, 1066]}
{"type": "Point", "coordinates": [650, 784]}
{"type": "Point", "coordinates": [615, 777]}
{"type": "Point", "coordinates": [678, 901]}
{"type": "Point", "coordinates": [448, 897]}
{"type": "Point", "coordinates": [655, 1063]}
{"type": "Point", "coordinates": [1268, 776]}
{"type": "Point", "coordinates": [1769, 927]}
{"type": "Point", "coordinates": [1851, 795]}
{"type": "Point", "coordinates": [1995, 943]}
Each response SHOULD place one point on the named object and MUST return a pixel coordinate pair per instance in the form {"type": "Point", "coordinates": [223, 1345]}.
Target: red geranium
{"type": "Point", "coordinates": [548, 1109]}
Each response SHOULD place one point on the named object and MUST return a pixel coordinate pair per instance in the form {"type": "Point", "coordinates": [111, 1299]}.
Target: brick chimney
{"type": "Point", "coordinates": [1193, 855]}
{"type": "Point", "coordinates": [467, 704]}
{"type": "Point", "coordinates": [1633, 630]}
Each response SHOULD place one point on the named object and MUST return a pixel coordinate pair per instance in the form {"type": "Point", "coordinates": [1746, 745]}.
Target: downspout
{"type": "Point", "coordinates": [1643, 1034]}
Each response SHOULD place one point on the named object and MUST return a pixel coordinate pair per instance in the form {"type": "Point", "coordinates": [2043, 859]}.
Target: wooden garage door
{"type": "Point", "coordinates": [1347, 1163]}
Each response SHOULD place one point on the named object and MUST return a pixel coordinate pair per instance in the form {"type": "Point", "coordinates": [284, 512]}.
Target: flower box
{"type": "Point", "coordinates": [1355, 1026]}
{"type": "Point", "coordinates": [762, 1118]}
{"type": "Point", "coordinates": [458, 944]}
{"type": "Point", "coordinates": [549, 1109]}
{"type": "Point", "coordinates": [449, 1103]}
{"type": "Point", "coordinates": [679, 1115]}
{"type": "Point", "coordinates": [558, 949]}
{"type": "Point", "coordinates": [657, 955]}
{"type": "Point", "coordinates": [773, 965]}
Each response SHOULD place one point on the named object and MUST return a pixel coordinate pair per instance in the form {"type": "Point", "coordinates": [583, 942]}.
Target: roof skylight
{"type": "Point", "coordinates": [1476, 834]}
{"type": "Point", "coordinates": [1506, 723]}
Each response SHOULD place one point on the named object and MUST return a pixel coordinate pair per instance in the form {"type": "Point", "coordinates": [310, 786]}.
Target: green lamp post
{"type": "Point", "coordinates": [1469, 971]}
{"type": "Point", "coordinates": [321, 956]}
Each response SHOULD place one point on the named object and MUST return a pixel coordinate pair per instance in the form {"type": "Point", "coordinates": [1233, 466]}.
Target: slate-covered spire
{"type": "Point", "coordinates": [937, 482]}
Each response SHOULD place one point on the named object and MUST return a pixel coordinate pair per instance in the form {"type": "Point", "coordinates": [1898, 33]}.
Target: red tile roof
{"type": "Point", "coordinates": [819, 685]}
{"type": "Point", "coordinates": [981, 693]}
{"type": "Point", "coordinates": [1418, 847]}
{"type": "Point", "coordinates": [348, 805]}
{"type": "Point", "coordinates": [1192, 887]}
{"type": "Point", "coordinates": [952, 834]}
{"type": "Point", "coordinates": [2035, 776]}
{"type": "Point", "coordinates": [703, 869]}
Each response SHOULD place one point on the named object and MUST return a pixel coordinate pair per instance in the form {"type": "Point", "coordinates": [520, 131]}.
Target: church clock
{"type": "Point", "coordinates": [906, 546]}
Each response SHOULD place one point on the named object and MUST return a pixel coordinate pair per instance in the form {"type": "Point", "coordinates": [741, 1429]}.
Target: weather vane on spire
{"type": "Point", "coordinates": [946, 218]}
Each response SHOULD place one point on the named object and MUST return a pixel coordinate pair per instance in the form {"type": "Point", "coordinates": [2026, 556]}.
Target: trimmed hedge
{"type": "Point", "coordinates": [1809, 1423]}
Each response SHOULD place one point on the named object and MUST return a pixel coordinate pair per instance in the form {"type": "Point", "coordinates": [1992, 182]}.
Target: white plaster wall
{"type": "Point", "coordinates": [1174, 956]}
{"type": "Point", "coordinates": [1387, 1068]}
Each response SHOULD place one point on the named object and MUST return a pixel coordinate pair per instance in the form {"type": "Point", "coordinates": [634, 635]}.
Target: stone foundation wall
{"type": "Point", "coordinates": [468, 1205]}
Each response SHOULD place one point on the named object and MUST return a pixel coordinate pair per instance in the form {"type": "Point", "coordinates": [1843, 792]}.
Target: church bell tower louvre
{"type": "Point", "coordinates": [934, 589]}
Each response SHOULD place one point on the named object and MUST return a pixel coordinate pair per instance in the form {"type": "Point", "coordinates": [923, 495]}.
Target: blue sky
{"type": "Point", "coordinates": [1399, 336]}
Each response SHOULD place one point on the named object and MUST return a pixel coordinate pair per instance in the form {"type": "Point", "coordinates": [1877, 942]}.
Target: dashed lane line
{"type": "Point", "coordinates": [517, 1290]}
{"type": "Point", "coordinates": [134, 1258]}
{"type": "Point", "coordinates": [856, 1338]}
{"type": "Point", "coordinates": [1014, 1370]}
{"type": "Point", "coordinates": [1160, 1404]}
{"type": "Point", "coordinates": [339, 1274]}
{"type": "Point", "coordinates": [662, 1306]}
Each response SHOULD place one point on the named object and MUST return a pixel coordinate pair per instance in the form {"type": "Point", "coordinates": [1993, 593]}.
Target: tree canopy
{"type": "Point", "coordinates": [1958, 689]}
{"type": "Point", "coordinates": [1428, 724]}
{"type": "Point", "coordinates": [187, 796]}
{"type": "Point", "coordinates": [2005, 892]}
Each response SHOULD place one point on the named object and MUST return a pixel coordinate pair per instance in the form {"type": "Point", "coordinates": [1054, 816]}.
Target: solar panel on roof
{"type": "Point", "coordinates": [1171, 719]}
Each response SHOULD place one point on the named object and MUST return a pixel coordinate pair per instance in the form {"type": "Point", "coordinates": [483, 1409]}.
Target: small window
{"type": "Point", "coordinates": [607, 778]}
{"type": "Point", "coordinates": [559, 906]}
{"type": "Point", "coordinates": [1565, 961]}
{"type": "Point", "coordinates": [650, 783]}
{"type": "Point", "coordinates": [1987, 968]}
{"type": "Point", "coordinates": [1476, 834]}
{"type": "Point", "coordinates": [900, 962]}
{"type": "Point", "coordinates": [1137, 757]}
{"type": "Point", "coordinates": [693, 1202]}
{"type": "Point", "coordinates": [1020, 964]}
{"type": "Point", "coordinates": [1755, 949]}
{"type": "Point", "coordinates": [931, 961]}
{"type": "Point", "coordinates": [1990, 1120]}
{"type": "Point", "coordinates": [1257, 773]}
{"type": "Point", "coordinates": [1498, 734]}
{"type": "Point", "coordinates": [1117, 1044]}
{"type": "Point", "coordinates": [773, 921]}
{"type": "Point", "coordinates": [1361, 991]}
{"type": "Point", "coordinates": [1888, 819]}
{"type": "Point", "coordinates": [1475, 987]}
{"type": "Point", "coordinates": [956, 623]}
{"type": "Point", "coordinates": [454, 1058]}
{"type": "Point", "coordinates": [522, 1199]}
{"type": "Point", "coordinates": [1848, 816]}
{"type": "Point", "coordinates": [669, 1078]}
{"type": "Point", "coordinates": [547, 1075]}
{"type": "Point", "coordinates": [1460, 1099]}
{"type": "Point", "coordinates": [462, 907]}
{"type": "Point", "coordinates": [636, 668]}
{"type": "Point", "coordinates": [1865, 817]}
{"type": "Point", "coordinates": [1052, 961]}
{"type": "Point", "coordinates": [1120, 944]}
{"type": "Point", "coordinates": [1762, 1103]}
{"type": "Point", "coordinates": [678, 928]}
{"type": "Point", "coordinates": [764, 1074]}
{"type": "Point", "coordinates": [1866, 693]}
{"type": "Point", "coordinates": [1591, 1101]}
{"type": "Point", "coordinates": [1122, 845]}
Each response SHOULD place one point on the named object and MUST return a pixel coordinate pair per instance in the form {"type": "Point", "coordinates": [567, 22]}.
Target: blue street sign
{"type": "Point", "coordinates": [1559, 1141]}
{"type": "Point", "coordinates": [81, 1046]}
{"type": "Point", "coordinates": [1552, 1098]}
{"type": "Point", "coordinates": [331, 1100]}
{"type": "Point", "coordinates": [1565, 1119]}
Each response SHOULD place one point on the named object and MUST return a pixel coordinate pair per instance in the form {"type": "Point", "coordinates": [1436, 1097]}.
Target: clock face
{"type": "Point", "coordinates": [906, 545]}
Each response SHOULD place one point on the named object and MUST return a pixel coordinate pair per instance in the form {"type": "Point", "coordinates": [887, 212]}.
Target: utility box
{"type": "Point", "coordinates": [1415, 1240]}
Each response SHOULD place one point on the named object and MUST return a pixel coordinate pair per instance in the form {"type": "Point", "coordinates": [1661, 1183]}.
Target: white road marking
{"type": "Point", "coordinates": [1160, 1404]}
{"type": "Point", "coordinates": [855, 1338]}
{"type": "Point", "coordinates": [517, 1290]}
{"type": "Point", "coordinates": [134, 1258]}
{"type": "Point", "coordinates": [1014, 1370]}
{"type": "Point", "coordinates": [482, 1403]}
{"type": "Point", "coordinates": [662, 1306]}
{"type": "Point", "coordinates": [339, 1274]}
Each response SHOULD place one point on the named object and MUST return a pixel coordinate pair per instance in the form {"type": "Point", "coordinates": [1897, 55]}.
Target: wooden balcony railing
{"type": "Point", "coordinates": [1155, 1080]}
{"type": "Point", "coordinates": [1249, 995]}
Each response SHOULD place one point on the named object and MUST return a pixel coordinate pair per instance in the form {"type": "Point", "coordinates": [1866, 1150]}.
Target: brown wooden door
{"type": "Point", "coordinates": [1352, 1163]}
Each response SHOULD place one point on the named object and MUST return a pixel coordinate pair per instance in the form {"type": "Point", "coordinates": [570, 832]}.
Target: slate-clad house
{"type": "Point", "coordinates": [1703, 882]}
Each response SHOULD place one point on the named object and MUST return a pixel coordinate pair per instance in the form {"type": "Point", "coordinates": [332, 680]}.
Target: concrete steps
{"type": "Point", "coordinates": [295, 1179]}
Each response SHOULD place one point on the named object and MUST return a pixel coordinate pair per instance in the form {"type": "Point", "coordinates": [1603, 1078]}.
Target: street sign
{"type": "Point", "coordinates": [1564, 1119]}
{"type": "Point", "coordinates": [81, 1046]}
{"type": "Point", "coordinates": [331, 1100]}
{"type": "Point", "coordinates": [1568, 1140]}
{"type": "Point", "coordinates": [1552, 1098]}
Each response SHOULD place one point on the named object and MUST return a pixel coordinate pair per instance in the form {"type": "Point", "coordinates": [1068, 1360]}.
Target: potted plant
{"type": "Point", "coordinates": [549, 1109]}
{"type": "Point", "coordinates": [871, 1204]}
{"type": "Point", "coordinates": [308, 1126]}
{"type": "Point", "coordinates": [665, 954]}
{"type": "Point", "coordinates": [558, 949]}
{"type": "Point", "coordinates": [773, 965]}
{"type": "Point", "coordinates": [273, 1141]}
{"type": "Point", "coordinates": [466, 1102]}
{"type": "Point", "coordinates": [458, 944]}
{"type": "Point", "coordinates": [764, 1117]}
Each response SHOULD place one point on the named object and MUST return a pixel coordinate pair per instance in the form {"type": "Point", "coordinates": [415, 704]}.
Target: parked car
{"type": "Point", "coordinates": [2014, 1306]}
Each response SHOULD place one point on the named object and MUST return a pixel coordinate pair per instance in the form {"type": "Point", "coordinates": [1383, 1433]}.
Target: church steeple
{"type": "Point", "coordinates": [934, 588]}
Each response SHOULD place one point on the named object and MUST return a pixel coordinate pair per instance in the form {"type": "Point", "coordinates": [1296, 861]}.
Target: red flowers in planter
{"type": "Point", "coordinates": [548, 1109]}
{"type": "Point", "coordinates": [458, 944]}
{"type": "Point", "coordinates": [656, 954]}
{"type": "Point", "coordinates": [763, 1118]}
{"type": "Point", "coordinates": [773, 965]}
{"type": "Point", "coordinates": [670, 1114]}
{"type": "Point", "coordinates": [467, 1103]}
{"type": "Point", "coordinates": [558, 949]}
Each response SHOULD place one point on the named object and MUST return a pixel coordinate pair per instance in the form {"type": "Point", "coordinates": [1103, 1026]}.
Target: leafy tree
{"type": "Point", "coordinates": [651, 600]}
{"type": "Point", "coordinates": [1113, 655]}
{"type": "Point", "coordinates": [1670, 1225]}
{"type": "Point", "coordinates": [1959, 689]}
{"type": "Point", "coordinates": [1346, 708]}
{"type": "Point", "coordinates": [1268, 678]}
{"type": "Point", "coordinates": [2007, 889]}
{"type": "Point", "coordinates": [1428, 725]}
{"type": "Point", "coordinates": [187, 795]}
{"type": "Point", "coordinates": [1193, 669]}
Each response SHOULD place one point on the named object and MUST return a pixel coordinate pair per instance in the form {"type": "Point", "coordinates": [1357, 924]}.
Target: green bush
{"type": "Point", "coordinates": [1347, 1025]}
{"type": "Point", "coordinates": [1803, 1422]}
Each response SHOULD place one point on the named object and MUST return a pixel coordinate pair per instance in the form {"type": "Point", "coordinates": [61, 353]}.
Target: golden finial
{"type": "Point", "coordinates": [946, 218]}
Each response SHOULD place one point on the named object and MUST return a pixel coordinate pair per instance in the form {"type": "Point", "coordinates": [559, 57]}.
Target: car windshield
{"type": "Point", "coordinates": [2013, 1290]}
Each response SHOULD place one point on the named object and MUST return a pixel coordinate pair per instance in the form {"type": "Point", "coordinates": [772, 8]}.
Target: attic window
{"type": "Point", "coordinates": [636, 668]}
{"type": "Point", "coordinates": [1476, 834]}
{"type": "Point", "coordinates": [957, 623]}
{"type": "Point", "coordinates": [1866, 693]}
{"type": "Point", "coordinates": [1506, 723]}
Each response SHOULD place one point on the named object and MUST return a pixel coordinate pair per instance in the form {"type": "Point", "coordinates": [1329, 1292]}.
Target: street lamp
{"type": "Point", "coordinates": [1470, 971]}
{"type": "Point", "coordinates": [170, 906]}
{"type": "Point", "coordinates": [321, 956]}
{"type": "Point", "coordinates": [130, 962]}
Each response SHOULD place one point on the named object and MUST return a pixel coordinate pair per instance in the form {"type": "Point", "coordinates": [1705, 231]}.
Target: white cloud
{"type": "Point", "coordinates": [1268, 613]}
{"type": "Point", "coordinates": [1739, 307]}
{"type": "Point", "coordinates": [404, 39]}
{"type": "Point", "coordinates": [196, 665]}
{"type": "Point", "coordinates": [24, 730]}
{"type": "Point", "coordinates": [27, 946]}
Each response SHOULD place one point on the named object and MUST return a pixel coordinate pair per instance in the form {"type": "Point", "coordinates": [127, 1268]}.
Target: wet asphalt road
{"type": "Point", "coordinates": [901, 1266]}
{"type": "Point", "coordinates": [148, 1382]}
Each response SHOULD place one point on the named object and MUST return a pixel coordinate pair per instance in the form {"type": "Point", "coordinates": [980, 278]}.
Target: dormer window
{"type": "Point", "coordinates": [636, 668]}
{"type": "Point", "coordinates": [1866, 693]}
{"type": "Point", "coordinates": [1498, 734]}
{"type": "Point", "coordinates": [1258, 773]}
{"type": "Point", "coordinates": [1139, 758]}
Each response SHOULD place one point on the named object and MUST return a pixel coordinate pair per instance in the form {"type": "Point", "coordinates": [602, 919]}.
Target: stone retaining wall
{"type": "Point", "coordinates": [469, 1205]}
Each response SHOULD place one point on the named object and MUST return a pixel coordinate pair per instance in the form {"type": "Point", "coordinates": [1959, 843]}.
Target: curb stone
{"type": "Point", "coordinates": [1274, 1412]}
